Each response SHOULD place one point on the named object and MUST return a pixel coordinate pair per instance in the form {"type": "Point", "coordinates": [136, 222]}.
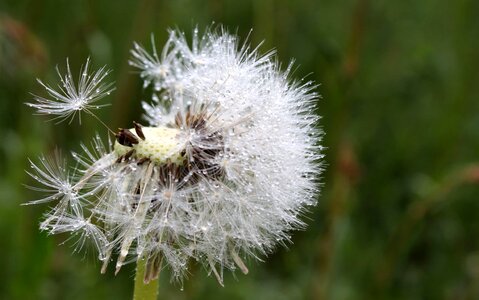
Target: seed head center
{"type": "Point", "coordinates": [161, 144]}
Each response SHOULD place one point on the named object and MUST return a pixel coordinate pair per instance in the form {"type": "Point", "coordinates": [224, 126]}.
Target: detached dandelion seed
{"type": "Point", "coordinates": [70, 99]}
{"type": "Point", "coordinates": [223, 169]}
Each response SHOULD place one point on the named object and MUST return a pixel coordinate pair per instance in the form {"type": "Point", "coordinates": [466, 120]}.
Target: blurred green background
{"type": "Point", "coordinates": [398, 217]}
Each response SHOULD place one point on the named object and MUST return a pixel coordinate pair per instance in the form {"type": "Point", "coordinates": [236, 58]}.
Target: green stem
{"type": "Point", "coordinates": [144, 291]}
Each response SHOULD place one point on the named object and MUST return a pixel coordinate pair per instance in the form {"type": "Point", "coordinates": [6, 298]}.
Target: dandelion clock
{"type": "Point", "coordinates": [219, 172]}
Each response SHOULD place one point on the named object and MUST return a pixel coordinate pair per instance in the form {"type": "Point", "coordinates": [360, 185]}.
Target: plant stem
{"type": "Point", "coordinates": [144, 291]}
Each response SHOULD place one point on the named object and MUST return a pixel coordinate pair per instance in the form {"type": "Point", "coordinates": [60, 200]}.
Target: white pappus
{"type": "Point", "coordinates": [228, 161]}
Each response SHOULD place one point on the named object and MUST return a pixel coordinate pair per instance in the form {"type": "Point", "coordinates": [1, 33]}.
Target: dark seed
{"type": "Point", "coordinates": [142, 160]}
{"type": "Point", "coordinates": [129, 154]}
{"type": "Point", "coordinates": [139, 130]}
{"type": "Point", "coordinates": [126, 138]}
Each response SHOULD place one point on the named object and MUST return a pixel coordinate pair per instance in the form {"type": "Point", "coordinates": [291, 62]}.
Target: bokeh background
{"type": "Point", "coordinates": [398, 217]}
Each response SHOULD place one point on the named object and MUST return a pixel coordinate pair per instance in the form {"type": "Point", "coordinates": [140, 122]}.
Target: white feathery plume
{"type": "Point", "coordinates": [153, 68]}
{"type": "Point", "coordinates": [55, 179]}
{"type": "Point", "coordinates": [70, 99]}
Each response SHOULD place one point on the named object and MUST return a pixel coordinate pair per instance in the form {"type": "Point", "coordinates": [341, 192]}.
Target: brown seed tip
{"type": "Point", "coordinates": [126, 138]}
{"type": "Point", "coordinates": [139, 130]}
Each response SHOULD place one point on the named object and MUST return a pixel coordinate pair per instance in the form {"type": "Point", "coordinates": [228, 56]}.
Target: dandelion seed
{"type": "Point", "coordinates": [222, 171]}
{"type": "Point", "coordinates": [69, 99]}
{"type": "Point", "coordinates": [154, 69]}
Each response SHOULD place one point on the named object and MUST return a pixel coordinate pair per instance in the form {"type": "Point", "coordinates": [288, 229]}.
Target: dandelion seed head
{"type": "Point", "coordinates": [223, 170]}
